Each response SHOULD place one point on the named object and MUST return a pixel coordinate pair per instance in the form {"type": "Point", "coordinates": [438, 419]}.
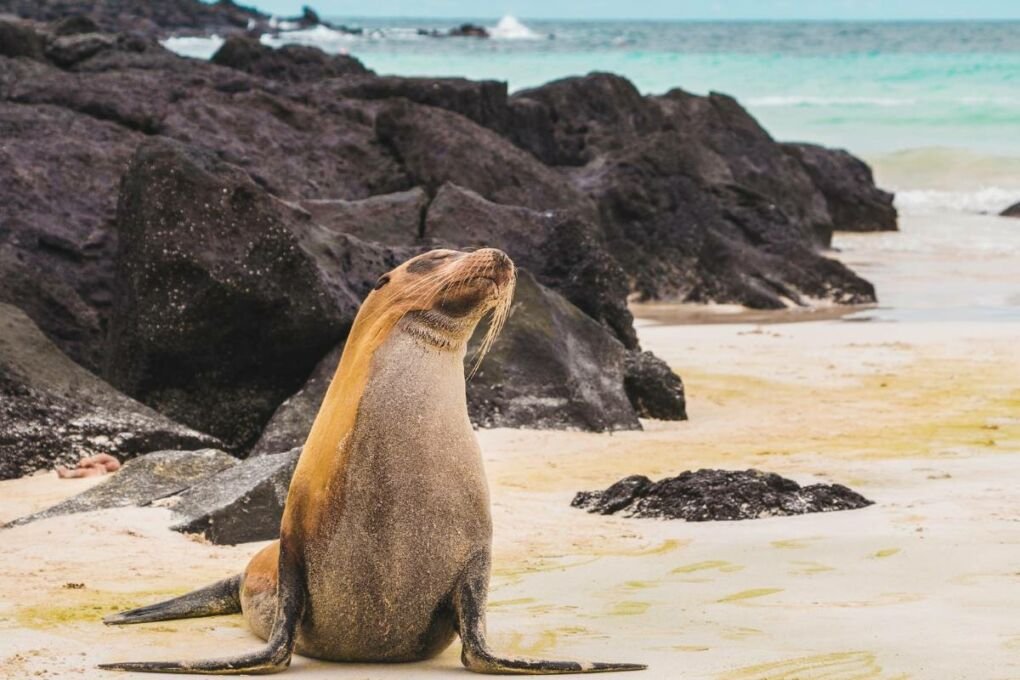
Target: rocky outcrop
{"type": "Point", "coordinates": [142, 481]}
{"type": "Point", "coordinates": [144, 16]}
{"type": "Point", "coordinates": [58, 184]}
{"type": "Point", "coordinates": [54, 412]}
{"type": "Point", "coordinates": [552, 367]}
{"type": "Point", "coordinates": [653, 388]}
{"type": "Point", "coordinates": [210, 493]}
{"type": "Point", "coordinates": [461, 31]}
{"type": "Point", "coordinates": [267, 194]}
{"type": "Point", "coordinates": [239, 504]}
{"type": "Point", "coordinates": [291, 63]}
{"type": "Point", "coordinates": [483, 101]}
{"type": "Point", "coordinates": [1011, 211]}
{"type": "Point", "coordinates": [709, 495]}
{"type": "Point", "coordinates": [696, 201]}
{"type": "Point", "coordinates": [392, 219]}
{"type": "Point", "coordinates": [854, 202]}
{"type": "Point", "coordinates": [220, 312]}
{"type": "Point", "coordinates": [20, 39]}
{"type": "Point", "coordinates": [437, 146]}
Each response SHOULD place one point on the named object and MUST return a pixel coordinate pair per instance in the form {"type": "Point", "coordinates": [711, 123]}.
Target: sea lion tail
{"type": "Point", "coordinates": [222, 597]}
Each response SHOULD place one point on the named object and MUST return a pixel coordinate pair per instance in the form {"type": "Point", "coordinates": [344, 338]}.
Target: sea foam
{"type": "Point", "coordinates": [510, 28]}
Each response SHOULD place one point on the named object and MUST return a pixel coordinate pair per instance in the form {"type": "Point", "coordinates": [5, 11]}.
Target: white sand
{"type": "Point", "coordinates": [922, 417]}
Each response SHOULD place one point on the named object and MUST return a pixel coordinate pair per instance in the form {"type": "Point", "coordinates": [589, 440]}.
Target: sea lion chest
{"type": "Point", "coordinates": [413, 507]}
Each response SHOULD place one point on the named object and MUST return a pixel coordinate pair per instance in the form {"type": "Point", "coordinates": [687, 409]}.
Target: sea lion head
{"type": "Point", "coordinates": [441, 295]}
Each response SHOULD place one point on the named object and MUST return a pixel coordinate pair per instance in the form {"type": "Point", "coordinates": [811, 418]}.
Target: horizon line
{"type": "Point", "coordinates": [719, 20]}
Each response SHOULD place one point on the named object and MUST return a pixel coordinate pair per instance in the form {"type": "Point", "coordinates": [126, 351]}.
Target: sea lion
{"type": "Point", "coordinates": [385, 541]}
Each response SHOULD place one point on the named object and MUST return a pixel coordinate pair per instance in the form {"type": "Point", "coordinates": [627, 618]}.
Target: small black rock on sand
{"type": "Point", "coordinates": [707, 495]}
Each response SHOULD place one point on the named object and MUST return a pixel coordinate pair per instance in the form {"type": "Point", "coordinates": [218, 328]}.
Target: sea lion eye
{"type": "Point", "coordinates": [383, 280]}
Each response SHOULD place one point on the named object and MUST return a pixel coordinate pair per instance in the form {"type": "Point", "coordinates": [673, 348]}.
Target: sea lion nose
{"type": "Point", "coordinates": [499, 258]}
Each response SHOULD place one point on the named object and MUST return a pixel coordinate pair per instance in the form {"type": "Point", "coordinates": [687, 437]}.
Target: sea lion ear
{"type": "Point", "coordinates": [383, 280]}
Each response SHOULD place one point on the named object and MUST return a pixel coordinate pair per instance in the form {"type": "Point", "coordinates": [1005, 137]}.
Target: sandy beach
{"type": "Point", "coordinates": [918, 412]}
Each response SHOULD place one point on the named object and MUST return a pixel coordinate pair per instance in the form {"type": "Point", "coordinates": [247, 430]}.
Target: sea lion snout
{"type": "Point", "coordinates": [491, 265]}
{"type": "Point", "coordinates": [501, 266]}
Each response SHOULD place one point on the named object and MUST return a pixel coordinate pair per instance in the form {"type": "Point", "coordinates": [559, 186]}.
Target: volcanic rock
{"type": "Point", "coordinates": [653, 388]}
{"type": "Point", "coordinates": [220, 312]}
{"type": "Point", "coordinates": [552, 367]}
{"type": "Point", "coordinates": [242, 503]}
{"type": "Point", "coordinates": [293, 63]}
{"type": "Point", "coordinates": [707, 495]}
{"type": "Point", "coordinates": [54, 412]}
{"type": "Point", "coordinates": [392, 219]}
{"type": "Point", "coordinates": [1011, 211]}
{"type": "Point", "coordinates": [438, 146]}
{"type": "Point", "coordinates": [468, 31]}
{"type": "Point", "coordinates": [153, 18]}
{"type": "Point", "coordinates": [142, 481]}
{"type": "Point", "coordinates": [854, 202]}
{"type": "Point", "coordinates": [20, 39]}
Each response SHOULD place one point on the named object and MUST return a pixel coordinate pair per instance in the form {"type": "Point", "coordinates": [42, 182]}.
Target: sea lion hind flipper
{"type": "Point", "coordinates": [222, 597]}
{"type": "Point", "coordinates": [469, 600]}
{"type": "Point", "coordinates": [272, 658]}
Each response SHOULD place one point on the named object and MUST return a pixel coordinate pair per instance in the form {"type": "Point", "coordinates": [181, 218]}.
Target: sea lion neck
{"type": "Point", "coordinates": [437, 330]}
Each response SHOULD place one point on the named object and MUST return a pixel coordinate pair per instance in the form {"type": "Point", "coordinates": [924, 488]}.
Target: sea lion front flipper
{"type": "Point", "coordinates": [272, 658]}
{"type": "Point", "coordinates": [469, 601]}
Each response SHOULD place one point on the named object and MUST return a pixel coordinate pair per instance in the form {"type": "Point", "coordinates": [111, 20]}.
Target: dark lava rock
{"type": "Point", "coordinates": [1011, 211]}
{"type": "Point", "coordinates": [438, 146]}
{"type": "Point", "coordinates": [293, 63]}
{"type": "Point", "coordinates": [220, 312]}
{"type": "Point", "coordinates": [154, 18]}
{"type": "Point", "coordinates": [483, 101]}
{"type": "Point", "coordinates": [391, 219]}
{"type": "Point", "coordinates": [854, 202]}
{"type": "Point", "coordinates": [142, 481]}
{"type": "Point", "coordinates": [240, 504]}
{"type": "Point", "coordinates": [20, 39]}
{"type": "Point", "coordinates": [696, 201]}
{"type": "Point", "coordinates": [292, 421]}
{"type": "Point", "coordinates": [227, 297]}
{"type": "Point", "coordinates": [708, 495]}
{"type": "Point", "coordinates": [54, 412]}
{"type": "Point", "coordinates": [552, 367]}
{"type": "Point", "coordinates": [58, 184]}
{"type": "Point", "coordinates": [68, 50]}
{"type": "Point", "coordinates": [653, 388]}
{"type": "Point", "coordinates": [74, 25]}
{"type": "Point", "coordinates": [588, 116]}
{"type": "Point", "coordinates": [295, 192]}
{"type": "Point", "coordinates": [468, 31]}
